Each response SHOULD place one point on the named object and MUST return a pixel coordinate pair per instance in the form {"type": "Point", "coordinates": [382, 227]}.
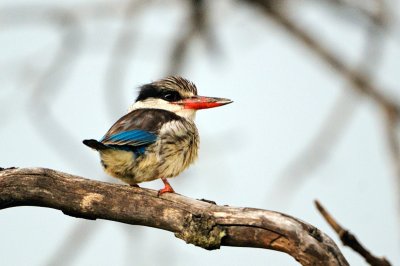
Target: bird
{"type": "Point", "coordinates": [157, 138]}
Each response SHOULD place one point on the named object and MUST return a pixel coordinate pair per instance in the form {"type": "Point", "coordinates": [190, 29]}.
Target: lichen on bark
{"type": "Point", "coordinates": [201, 231]}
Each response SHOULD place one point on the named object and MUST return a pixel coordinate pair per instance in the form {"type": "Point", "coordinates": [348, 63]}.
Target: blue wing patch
{"type": "Point", "coordinates": [133, 138]}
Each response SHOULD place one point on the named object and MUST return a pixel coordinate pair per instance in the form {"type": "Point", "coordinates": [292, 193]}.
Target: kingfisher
{"type": "Point", "coordinates": [157, 138]}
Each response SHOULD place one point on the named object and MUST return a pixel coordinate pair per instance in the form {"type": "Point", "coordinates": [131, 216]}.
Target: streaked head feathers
{"type": "Point", "coordinates": [169, 89]}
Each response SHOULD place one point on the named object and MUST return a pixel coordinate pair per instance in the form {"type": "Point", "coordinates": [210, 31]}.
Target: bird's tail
{"type": "Point", "coordinates": [94, 144]}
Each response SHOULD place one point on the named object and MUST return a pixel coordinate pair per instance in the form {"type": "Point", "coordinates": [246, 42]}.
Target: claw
{"type": "Point", "coordinates": [167, 188]}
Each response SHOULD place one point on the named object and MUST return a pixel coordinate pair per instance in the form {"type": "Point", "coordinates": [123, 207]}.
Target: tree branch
{"type": "Point", "coordinates": [348, 239]}
{"type": "Point", "coordinates": [198, 222]}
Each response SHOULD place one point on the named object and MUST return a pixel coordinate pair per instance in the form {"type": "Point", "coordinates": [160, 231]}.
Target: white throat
{"type": "Point", "coordinates": [164, 105]}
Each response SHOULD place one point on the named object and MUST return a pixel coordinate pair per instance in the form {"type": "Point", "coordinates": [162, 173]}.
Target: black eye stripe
{"type": "Point", "coordinates": [147, 91]}
{"type": "Point", "coordinates": [151, 91]}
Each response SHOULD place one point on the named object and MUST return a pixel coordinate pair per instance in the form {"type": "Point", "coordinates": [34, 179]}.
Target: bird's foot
{"type": "Point", "coordinates": [134, 185]}
{"type": "Point", "coordinates": [167, 188]}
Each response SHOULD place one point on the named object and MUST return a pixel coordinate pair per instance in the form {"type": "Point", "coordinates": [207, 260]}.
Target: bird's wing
{"type": "Point", "coordinates": [138, 128]}
{"type": "Point", "coordinates": [133, 138]}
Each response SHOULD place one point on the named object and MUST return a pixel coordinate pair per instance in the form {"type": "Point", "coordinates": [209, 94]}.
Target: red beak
{"type": "Point", "coordinates": [201, 102]}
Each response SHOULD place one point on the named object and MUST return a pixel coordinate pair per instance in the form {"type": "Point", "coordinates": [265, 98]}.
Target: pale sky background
{"type": "Point", "coordinates": [282, 95]}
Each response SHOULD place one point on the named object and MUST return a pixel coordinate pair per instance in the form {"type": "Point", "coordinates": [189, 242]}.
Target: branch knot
{"type": "Point", "coordinates": [201, 230]}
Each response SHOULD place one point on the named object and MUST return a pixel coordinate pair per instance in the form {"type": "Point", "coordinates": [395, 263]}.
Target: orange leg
{"type": "Point", "coordinates": [167, 187]}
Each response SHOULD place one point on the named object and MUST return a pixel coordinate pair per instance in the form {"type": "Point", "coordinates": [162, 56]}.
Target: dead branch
{"type": "Point", "coordinates": [348, 239]}
{"type": "Point", "coordinates": [198, 222]}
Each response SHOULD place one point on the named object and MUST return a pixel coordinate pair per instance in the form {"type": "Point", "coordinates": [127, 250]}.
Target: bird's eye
{"type": "Point", "coordinates": [171, 96]}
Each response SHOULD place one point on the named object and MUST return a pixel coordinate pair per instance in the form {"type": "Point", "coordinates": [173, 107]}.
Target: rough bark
{"type": "Point", "coordinates": [198, 222]}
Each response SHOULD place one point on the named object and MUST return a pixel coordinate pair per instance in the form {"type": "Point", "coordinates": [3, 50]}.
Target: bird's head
{"type": "Point", "coordinates": [177, 95]}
